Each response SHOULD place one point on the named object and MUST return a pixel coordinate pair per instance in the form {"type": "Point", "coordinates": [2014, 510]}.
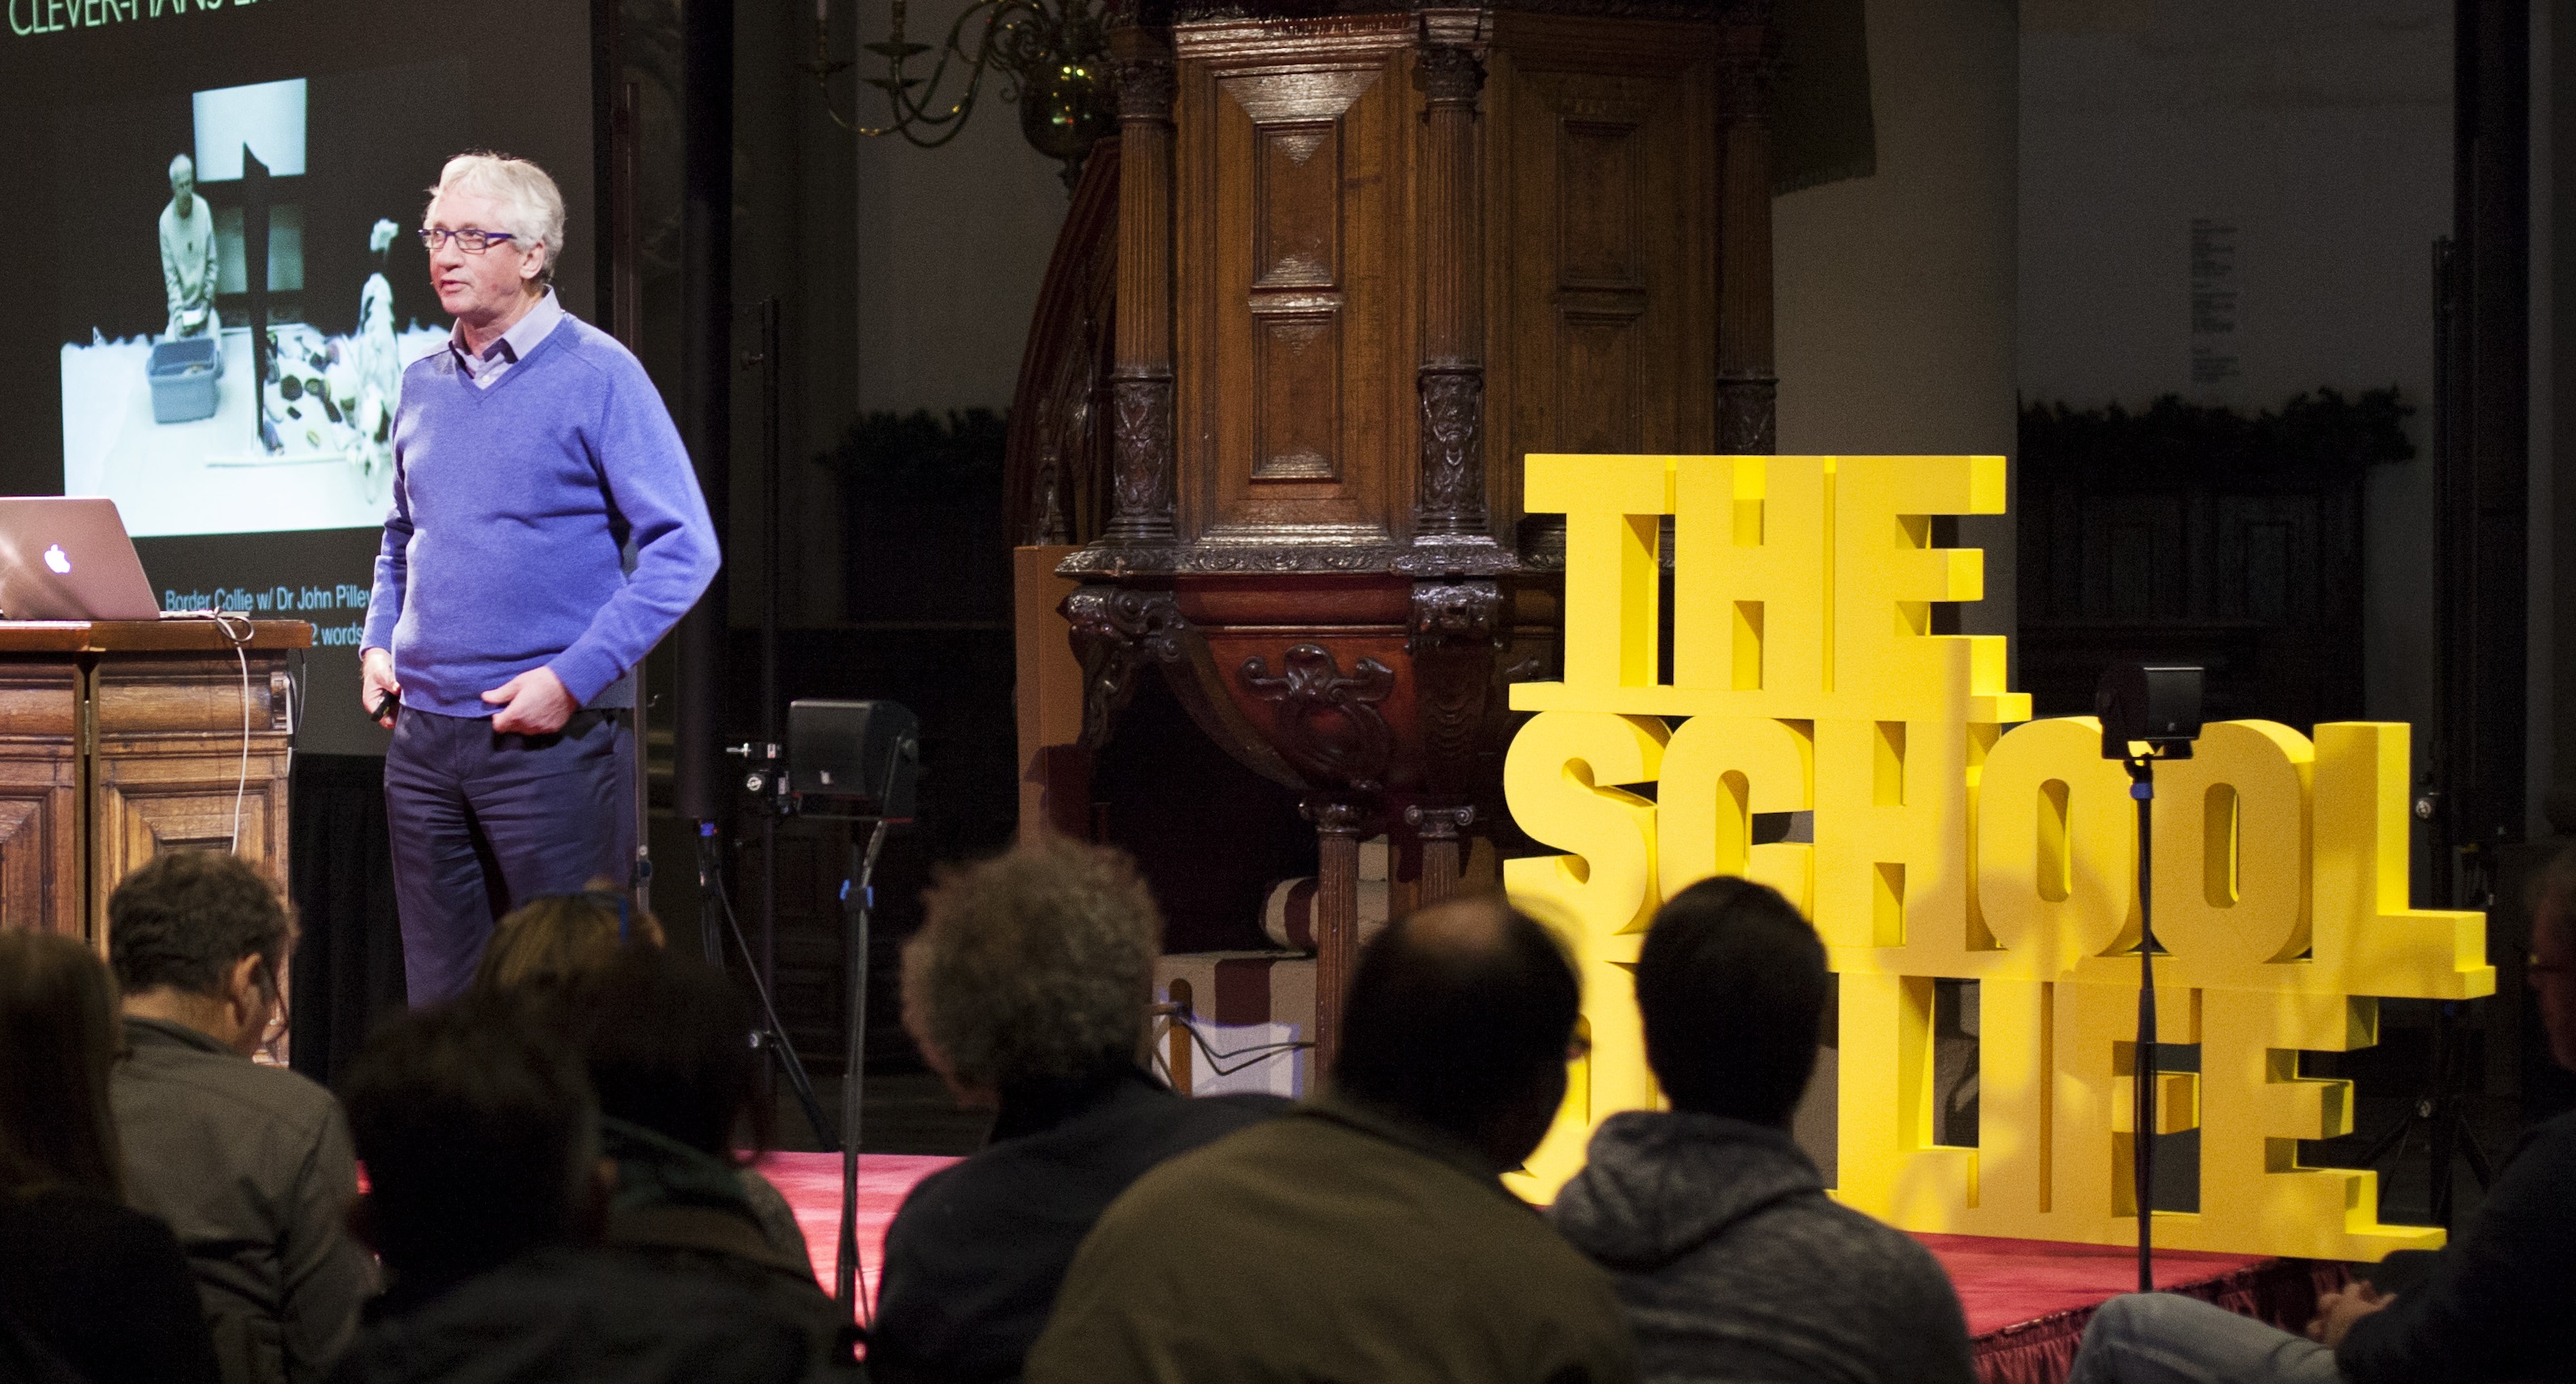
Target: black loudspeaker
{"type": "Point", "coordinates": [2142, 703]}
{"type": "Point", "coordinates": [865, 753]}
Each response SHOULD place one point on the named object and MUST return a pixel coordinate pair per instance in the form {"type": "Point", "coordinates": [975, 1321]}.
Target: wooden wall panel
{"type": "Point", "coordinates": [169, 769]}
{"type": "Point", "coordinates": [1601, 245]}
{"type": "Point", "coordinates": [1296, 401]}
{"type": "Point", "coordinates": [40, 838]}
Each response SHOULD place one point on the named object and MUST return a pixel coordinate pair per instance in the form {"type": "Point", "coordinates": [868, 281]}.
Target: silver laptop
{"type": "Point", "coordinates": [69, 559]}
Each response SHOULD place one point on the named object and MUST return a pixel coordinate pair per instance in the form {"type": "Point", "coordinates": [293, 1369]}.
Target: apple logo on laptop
{"type": "Point", "coordinates": [57, 559]}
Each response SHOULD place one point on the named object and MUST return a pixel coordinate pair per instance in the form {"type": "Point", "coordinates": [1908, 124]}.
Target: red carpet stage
{"type": "Point", "coordinates": [812, 1184]}
{"type": "Point", "coordinates": [2027, 1300]}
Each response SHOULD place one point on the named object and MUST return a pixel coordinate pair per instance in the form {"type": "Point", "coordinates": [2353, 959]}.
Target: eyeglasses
{"type": "Point", "coordinates": [471, 240]}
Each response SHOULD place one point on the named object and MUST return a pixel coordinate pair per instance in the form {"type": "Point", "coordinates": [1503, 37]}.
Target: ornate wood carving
{"type": "Point", "coordinates": [1455, 639]}
{"type": "Point", "coordinates": [1439, 829]}
{"type": "Point", "coordinates": [1450, 487]}
{"type": "Point", "coordinates": [1329, 725]}
{"type": "Point", "coordinates": [1507, 229]}
{"type": "Point", "coordinates": [1141, 431]}
{"type": "Point", "coordinates": [1747, 387]}
{"type": "Point", "coordinates": [1059, 454]}
{"type": "Point", "coordinates": [1141, 383]}
{"type": "Point", "coordinates": [1450, 515]}
{"type": "Point", "coordinates": [1145, 88]}
{"type": "Point", "coordinates": [1117, 631]}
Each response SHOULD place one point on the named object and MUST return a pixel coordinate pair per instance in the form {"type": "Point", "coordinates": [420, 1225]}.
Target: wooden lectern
{"type": "Point", "coordinates": [120, 739]}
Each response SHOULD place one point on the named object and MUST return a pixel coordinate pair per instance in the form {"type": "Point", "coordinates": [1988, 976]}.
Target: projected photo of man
{"type": "Point", "coordinates": [188, 254]}
{"type": "Point", "coordinates": [281, 206]}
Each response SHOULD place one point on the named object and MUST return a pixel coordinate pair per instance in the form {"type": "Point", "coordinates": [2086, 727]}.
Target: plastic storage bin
{"type": "Point", "coordinates": [184, 373]}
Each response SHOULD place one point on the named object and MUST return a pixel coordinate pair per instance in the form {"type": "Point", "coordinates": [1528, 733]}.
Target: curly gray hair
{"type": "Point", "coordinates": [1035, 964]}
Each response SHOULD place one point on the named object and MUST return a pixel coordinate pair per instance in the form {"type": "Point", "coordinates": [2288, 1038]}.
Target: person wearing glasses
{"type": "Point", "coordinates": [250, 1164]}
{"type": "Point", "coordinates": [546, 531]}
{"type": "Point", "coordinates": [2490, 1307]}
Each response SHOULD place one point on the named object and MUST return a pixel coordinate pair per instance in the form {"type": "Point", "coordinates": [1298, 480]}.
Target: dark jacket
{"type": "Point", "coordinates": [1340, 1242]}
{"type": "Point", "coordinates": [251, 1167]}
{"type": "Point", "coordinates": [2500, 1302]}
{"type": "Point", "coordinates": [690, 1212]}
{"type": "Point", "coordinates": [569, 1315]}
{"type": "Point", "coordinates": [975, 1255]}
{"type": "Point", "coordinates": [103, 1289]}
{"type": "Point", "coordinates": [1733, 1263]}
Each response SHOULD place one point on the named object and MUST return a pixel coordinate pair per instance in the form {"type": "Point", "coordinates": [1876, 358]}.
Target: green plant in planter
{"type": "Point", "coordinates": [2314, 437]}
{"type": "Point", "coordinates": [921, 455]}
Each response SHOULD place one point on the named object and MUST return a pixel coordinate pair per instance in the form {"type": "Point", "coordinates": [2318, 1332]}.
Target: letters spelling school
{"type": "Point", "coordinates": [1955, 838]}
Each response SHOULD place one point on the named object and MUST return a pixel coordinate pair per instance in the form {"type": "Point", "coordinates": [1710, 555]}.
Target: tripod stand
{"type": "Point", "coordinates": [2443, 1115]}
{"type": "Point", "coordinates": [770, 1037]}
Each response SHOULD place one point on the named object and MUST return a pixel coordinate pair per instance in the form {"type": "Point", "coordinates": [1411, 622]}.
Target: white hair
{"type": "Point", "coordinates": [532, 207]}
{"type": "Point", "coordinates": [183, 161]}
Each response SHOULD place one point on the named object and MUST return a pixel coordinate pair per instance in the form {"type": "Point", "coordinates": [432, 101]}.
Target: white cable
{"type": "Point", "coordinates": [294, 707]}
{"type": "Point", "coordinates": [237, 629]}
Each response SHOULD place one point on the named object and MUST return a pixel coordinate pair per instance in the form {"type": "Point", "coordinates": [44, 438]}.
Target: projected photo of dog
{"type": "Point", "coordinates": [175, 403]}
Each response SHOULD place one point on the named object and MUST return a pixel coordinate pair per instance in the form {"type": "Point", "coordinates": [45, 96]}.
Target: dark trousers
{"type": "Point", "coordinates": [483, 823]}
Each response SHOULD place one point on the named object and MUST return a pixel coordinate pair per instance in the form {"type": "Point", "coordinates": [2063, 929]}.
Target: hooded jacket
{"type": "Point", "coordinates": [1733, 1264]}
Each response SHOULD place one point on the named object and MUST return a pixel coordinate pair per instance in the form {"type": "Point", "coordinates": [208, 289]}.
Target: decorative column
{"type": "Point", "coordinates": [1747, 390]}
{"type": "Point", "coordinates": [1337, 919]}
{"type": "Point", "coordinates": [1140, 382]}
{"type": "Point", "coordinates": [1449, 488]}
{"type": "Point", "coordinates": [1443, 853]}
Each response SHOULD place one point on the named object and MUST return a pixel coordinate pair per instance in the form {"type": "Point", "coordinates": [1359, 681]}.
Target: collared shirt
{"type": "Point", "coordinates": [487, 369]}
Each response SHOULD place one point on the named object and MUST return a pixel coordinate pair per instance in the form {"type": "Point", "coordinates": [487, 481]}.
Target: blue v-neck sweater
{"type": "Point", "coordinates": [512, 508]}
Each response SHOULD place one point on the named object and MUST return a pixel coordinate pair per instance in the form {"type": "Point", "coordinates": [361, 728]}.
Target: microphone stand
{"type": "Point", "coordinates": [858, 897]}
{"type": "Point", "coordinates": [2142, 1144]}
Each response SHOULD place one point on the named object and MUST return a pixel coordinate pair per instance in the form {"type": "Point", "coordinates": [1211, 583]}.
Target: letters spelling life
{"type": "Point", "coordinates": [1954, 837]}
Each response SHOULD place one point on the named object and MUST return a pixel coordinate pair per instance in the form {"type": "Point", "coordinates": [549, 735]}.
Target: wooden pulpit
{"type": "Point", "coordinates": [1359, 261]}
{"type": "Point", "coordinates": [120, 739]}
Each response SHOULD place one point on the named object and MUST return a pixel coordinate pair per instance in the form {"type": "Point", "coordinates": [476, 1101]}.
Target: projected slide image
{"type": "Point", "coordinates": [174, 405]}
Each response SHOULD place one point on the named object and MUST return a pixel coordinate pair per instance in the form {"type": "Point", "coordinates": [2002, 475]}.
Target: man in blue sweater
{"type": "Point", "coordinates": [546, 530]}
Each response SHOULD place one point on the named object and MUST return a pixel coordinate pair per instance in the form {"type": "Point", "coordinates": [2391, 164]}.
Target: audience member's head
{"type": "Point", "coordinates": [199, 938]}
{"type": "Point", "coordinates": [551, 941]}
{"type": "Point", "coordinates": [1034, 966]}
{"type": "Point", "coordinates": [2553, 955]}
{"type": "Point", "coordinates": [1460, 1016]}
{"type": "Point", "coordinates": [662, 1035]}
{"type": "Point", "coordinates": [57, 1040]}
{"type": "Point", "coordinates": [480, 1138]}
{"type": "Point", "coordinates": [1731, 985]}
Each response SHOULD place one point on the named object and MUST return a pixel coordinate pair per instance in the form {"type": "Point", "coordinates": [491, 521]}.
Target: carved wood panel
{"type": "Point", "coordinates": [169, 770]}
{"type": "Point", "coordinates": [40, 796]}
{"type": "Point", "coordinates": [1296, 322]}
{"type": "Point", "coordinates": [1601, 240]}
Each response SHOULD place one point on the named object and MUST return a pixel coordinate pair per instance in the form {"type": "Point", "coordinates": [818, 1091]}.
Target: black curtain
{"type": "Point", "coordinates": [348, 968]}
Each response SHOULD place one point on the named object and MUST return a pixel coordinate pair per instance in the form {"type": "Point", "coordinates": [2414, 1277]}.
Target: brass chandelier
{"type": "Point", "coordinates": [1052, 57]}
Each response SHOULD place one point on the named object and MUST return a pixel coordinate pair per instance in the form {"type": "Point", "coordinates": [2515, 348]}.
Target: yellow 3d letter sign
{"type": "Point", "coordinates": [1806, 679]}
